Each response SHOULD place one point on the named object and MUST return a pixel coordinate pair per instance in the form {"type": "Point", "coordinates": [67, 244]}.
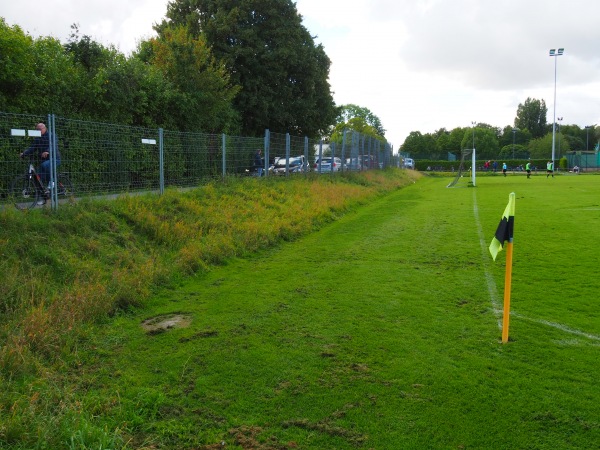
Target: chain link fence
{"type": "Point", "coordinates": [101, 158]}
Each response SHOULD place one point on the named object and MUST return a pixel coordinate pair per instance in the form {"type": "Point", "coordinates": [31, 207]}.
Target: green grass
{"type": "Point", "coordinates": [379, 330]}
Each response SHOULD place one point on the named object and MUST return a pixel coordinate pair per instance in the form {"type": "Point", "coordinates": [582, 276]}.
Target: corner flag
{"type": "Point", "coordinates": [504, 232]}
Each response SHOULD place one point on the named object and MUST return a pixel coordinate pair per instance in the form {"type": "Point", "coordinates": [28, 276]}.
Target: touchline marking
{"type": "Point", "coordinates": [558, 326]}
{"type": "Point", "coordinates": [491, 285]}
{"type": "Point", "coordinates": [494, 292]}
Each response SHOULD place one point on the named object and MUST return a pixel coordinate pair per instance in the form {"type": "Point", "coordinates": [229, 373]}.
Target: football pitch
{"type": "Point", "coordinates": [383, 330]}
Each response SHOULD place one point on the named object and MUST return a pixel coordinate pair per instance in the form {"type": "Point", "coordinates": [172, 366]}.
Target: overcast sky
{"type": "Point", "coordinates": [419, 65]}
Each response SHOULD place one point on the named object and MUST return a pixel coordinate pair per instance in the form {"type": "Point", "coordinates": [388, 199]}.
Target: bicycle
{"type": "Point", "coordinates": [27, 190]}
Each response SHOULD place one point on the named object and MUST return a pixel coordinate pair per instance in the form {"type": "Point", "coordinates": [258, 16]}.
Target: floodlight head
{"type": "Point", "coordinates": [552, 51]}
{"type": "Point", "coordinates": [560, 51]}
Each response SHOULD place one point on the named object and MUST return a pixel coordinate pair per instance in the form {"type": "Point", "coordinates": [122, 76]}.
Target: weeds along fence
{"type": "Point", "coordinates": [102, 158]}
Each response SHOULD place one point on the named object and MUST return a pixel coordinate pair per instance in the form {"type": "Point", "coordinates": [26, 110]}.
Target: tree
{"type": "Point", "coordinates": [350, 111]}
{"type": "Point", "coordinates": [520, 137]}
{"type": "Point", "coordinates": [205, 93]}
{"type": "Point", "coordinates": [357, 124]}
{"type": "Point", "coordinates": [36, 73]}
{"type": "Point", "coordinates": [517, 151]}
{"type": "Point", "coordinates": [16, 60]}
{"type": "Point", "coordinates": [531, 116]}
{"type": "Point", "coordinates": [420, 146]}
{"type": "Point", "coordinates": [271, 55]}
{"type": "Point", "coordinates": [486, 141]}
{"type": "Point", "coordinates": [541, 148]}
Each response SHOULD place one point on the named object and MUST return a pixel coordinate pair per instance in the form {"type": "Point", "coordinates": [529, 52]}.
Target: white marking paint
{"type": "Point", "coordinates": [494, 298]}
{"type": "Point", "coordinates": [491, 285]}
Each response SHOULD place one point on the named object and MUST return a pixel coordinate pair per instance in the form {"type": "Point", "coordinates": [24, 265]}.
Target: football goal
{"type": "Point", "coordinates": [461, 167]}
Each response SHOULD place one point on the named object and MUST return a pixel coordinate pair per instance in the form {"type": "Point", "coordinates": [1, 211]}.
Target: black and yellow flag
{"type": "Point", "coordinates": [504, 232]}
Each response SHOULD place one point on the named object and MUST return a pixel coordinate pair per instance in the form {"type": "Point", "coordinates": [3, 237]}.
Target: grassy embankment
{"type": "Point", "coordinates": [64, 273]}
{"type": "Point", "coordinates": [378, 331]}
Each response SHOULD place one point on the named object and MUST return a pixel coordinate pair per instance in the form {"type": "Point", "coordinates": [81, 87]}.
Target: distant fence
{"type": "Point", "coordinates": [584, 160]}
{"type": "Point", "coordinates": [103, 158]}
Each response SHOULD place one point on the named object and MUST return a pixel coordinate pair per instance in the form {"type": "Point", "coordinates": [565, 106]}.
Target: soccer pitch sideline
{"type": "Point", "coordinates": [379, 331]}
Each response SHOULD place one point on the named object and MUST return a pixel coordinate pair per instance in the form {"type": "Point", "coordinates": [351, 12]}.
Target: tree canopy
{"type": "Point", "coordinates": [351, 111]}
{"type": "Point", "coordinates": [269, 53]}
{"type": "Point", "coordinates": [508, 142]}
{"type": "Point", "coordinates": [203, 86]}
{"type": "Point", "coordinates": [531, 116]}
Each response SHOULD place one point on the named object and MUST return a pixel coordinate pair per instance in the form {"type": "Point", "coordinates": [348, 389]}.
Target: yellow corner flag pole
{"type": "Point", "coordinates": [507, 284]}
{"type": "Point", "coordinates": [504, 233]}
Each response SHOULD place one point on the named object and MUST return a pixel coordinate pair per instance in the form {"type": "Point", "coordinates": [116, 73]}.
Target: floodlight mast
{"type": "Point", "coordinates": [554, 53]}
{"type": "Point", "coordinates": [559, 135]}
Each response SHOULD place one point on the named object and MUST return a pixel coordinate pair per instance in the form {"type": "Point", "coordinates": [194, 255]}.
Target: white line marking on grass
{"type": "Point", "coordinates": [491, 285]}
{"type": "Point", "coordinates": [558, 326]}
{"type": "Point", "coordinates": [494, 298]}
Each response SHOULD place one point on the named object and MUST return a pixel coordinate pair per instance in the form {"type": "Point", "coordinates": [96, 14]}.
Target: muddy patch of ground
{"type": "Point", "coordinates": [165, 322]}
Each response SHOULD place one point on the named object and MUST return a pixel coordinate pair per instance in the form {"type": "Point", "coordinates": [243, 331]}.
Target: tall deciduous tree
{"type": "Point", "coordinates": [350, 111]}
{"type": "Point", "coordinates": [420, 146]}
{"type": "Point", "coordinates": [531, 115]}
{"type": "Point", "coordinates": [35, 74]}
{"type": "Point", "coordinates": [541, 147]}
{"type": "Point", "coordinates": [271, 55]}
{"type": "Point", "coordinates": [486, 141]}
{"type": "Point", "coordinates": [205, 92]}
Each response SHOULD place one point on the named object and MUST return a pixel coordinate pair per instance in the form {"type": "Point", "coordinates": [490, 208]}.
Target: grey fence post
{"type": "Point", "coordinates": [332, 145]}
{"type": "Point", "coordinates": [223, 144]}
{"type": "Point", "coordinates": [320, 154]}
{"type": "Point", "coordinates": [369, 149]}
{"type": "Point", "coordinates": [307, 164]}
{"type": "Point", "coordinates": [267, 146]}
{"type": "Point", "coordinates": [287, 154]}
{"type": "Point", "coordinates": [53, 141]}
{"type": "Point", "coordinates": [344, 151]}
{"type": "Point", "coordinates": [360, 147]}
{"type": "Point", "coordinates": [161, 162]}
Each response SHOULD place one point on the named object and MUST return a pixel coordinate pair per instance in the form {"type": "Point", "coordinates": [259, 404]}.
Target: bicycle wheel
{"type": "Point", "coordinates": [65, 187]}
{"type": "Point", "coordinates": [23, 192]}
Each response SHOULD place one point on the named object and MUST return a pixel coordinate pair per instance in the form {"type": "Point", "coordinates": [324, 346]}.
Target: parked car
{"type": "Point", "coordinates": [296, 164]}
{"type": "Point", "coordinates": [369, 162]}
{"type": "Point", "coordinates": [353, 164]}
{"type": "Point", "coordinates": [408, 163]}
{"type": "Point", "coordinates": [328, 164]}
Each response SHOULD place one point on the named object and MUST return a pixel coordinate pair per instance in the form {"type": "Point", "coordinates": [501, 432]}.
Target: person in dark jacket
{"type": "Point", "coordinates": [41, 148]}
{"type": "Point", "coordinates": [258, 163]}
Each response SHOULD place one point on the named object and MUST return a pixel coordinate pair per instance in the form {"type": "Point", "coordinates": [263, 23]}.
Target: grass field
{"type": "Point", "coordinates": [379, 331]}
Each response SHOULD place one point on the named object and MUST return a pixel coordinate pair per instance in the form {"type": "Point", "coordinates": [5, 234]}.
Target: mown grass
{"type": "Point", "coordinates": [63, 272]}
{"type": "Point", "coordinates": [378, 331]}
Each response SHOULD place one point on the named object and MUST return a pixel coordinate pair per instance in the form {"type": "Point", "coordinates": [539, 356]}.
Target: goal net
{"type": "Point", "coordinates": [461, 167]}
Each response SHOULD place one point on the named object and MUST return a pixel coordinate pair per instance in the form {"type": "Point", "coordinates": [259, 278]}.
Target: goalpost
{"type": "Point", "coordinates": [461, 167]}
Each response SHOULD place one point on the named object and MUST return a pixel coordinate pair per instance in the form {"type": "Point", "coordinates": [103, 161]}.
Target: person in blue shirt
{"type": "Point", "coordinates": [504, 168]}
{"type": "Point", "coordinates": [41, 148]}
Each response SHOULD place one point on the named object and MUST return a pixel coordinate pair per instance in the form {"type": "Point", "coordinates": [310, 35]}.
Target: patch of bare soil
{"type": "Point", "coordinates": [165, 322]}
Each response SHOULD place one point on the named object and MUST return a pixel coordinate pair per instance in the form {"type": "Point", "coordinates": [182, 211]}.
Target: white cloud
{"type": "Point", "coordinates": [419, 65]}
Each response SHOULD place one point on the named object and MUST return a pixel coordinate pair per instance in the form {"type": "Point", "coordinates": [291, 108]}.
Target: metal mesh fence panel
{"type": "Point", "coordinates": [101, 158]}
{"type": "Point", "coordinates": [106, 158]}
{"type": "Point", "coordinates": [585, 161]}
{"type": "Point", "coordinates": [191, 159]}
{"type": "Point", "coordinates": [240, 151]}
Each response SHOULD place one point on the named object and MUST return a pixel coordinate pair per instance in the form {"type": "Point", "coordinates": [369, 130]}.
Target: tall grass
{"type": "Point", "coordinates": [101, 256]}
{"type": "Point", "coordinates": [378, 331]}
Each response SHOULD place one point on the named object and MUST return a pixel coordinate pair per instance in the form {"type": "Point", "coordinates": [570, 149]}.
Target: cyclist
{"type": "Point", "coordinates": [41, 147]}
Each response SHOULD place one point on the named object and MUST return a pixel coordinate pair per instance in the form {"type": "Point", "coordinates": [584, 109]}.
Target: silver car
{"type": "Point", "coordinates": [296, 164]}
{"type": "Point", "coordinates": [328, 164]}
